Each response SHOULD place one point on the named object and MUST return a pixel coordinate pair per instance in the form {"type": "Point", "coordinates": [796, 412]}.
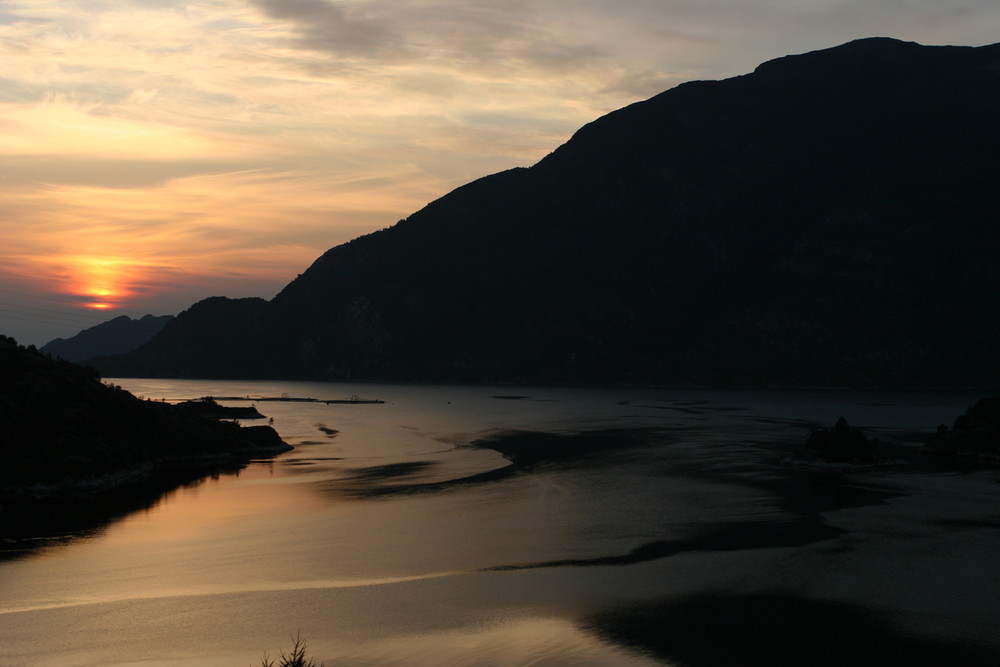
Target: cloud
{"type": "Point", "coordinates": [26, 171]}
{"type": "Point", "coordinates": [441, 34]}
{"type": "Point", "coordinates": [326, 26]}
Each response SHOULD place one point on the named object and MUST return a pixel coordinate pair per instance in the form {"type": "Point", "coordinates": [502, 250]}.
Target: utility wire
{"type": "Point", "coordinates": [36, 321]}
{"type": "Point", "coordinates": [36, 296]}
{"type": "Point", "coordinates": [45, 317]}
{"type": "Point", "coordinates": [52, 317]}
{"type": "Point", "coordinates": [49, 312]}
{"type": "Point", "coordinates": [68, 302]}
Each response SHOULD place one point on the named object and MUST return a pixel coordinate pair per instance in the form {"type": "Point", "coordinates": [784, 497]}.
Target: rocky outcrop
{"type": "Point", "coordinates": [840, 444]}
{"type": "Point", "coordinates": [974, 437]}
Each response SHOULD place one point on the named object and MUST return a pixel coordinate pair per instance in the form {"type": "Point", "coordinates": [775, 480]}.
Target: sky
{"type": "Point", "coordinates": [155, 152]}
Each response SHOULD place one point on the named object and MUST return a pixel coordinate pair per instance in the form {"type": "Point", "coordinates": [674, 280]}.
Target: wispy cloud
{"type": "Point", "coordinates": [357, 29]}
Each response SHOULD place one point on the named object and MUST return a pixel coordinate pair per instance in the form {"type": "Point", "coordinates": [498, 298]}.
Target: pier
{"type": "Point", "coordinates": [353, 400]}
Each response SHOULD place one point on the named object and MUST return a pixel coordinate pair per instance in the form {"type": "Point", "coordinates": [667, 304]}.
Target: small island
{"type": "Point", "coordinates": [973, 438]}
{"type": "Point", "coordinates": [65, 435]}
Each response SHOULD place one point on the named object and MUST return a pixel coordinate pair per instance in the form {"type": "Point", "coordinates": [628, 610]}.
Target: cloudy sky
{"type": "Point", "coordinates": [156, 152]}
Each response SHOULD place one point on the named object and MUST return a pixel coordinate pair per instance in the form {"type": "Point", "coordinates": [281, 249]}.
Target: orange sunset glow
{"type": "Point", "coordinates": [96, 279]}
{"type": "Point", "coordinates": [156, 153]}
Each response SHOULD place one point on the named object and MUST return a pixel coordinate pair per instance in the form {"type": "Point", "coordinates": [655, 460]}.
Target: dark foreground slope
{"type": "Point", "coordinates": [65, 435]}
{"type": "Point", "coordinates": [829, 219]}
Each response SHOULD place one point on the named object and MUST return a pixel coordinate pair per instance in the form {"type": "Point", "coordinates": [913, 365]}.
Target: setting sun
{"type": "Point", "coordinates": [105, 282]}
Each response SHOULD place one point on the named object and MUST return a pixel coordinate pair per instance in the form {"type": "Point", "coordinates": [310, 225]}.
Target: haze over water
{"type": "Point", "coordinates": [384, 540]}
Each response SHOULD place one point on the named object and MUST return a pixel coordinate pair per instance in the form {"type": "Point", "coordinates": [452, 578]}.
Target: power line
{"type": "Point", "coordinates": [49, 316]}
{"type": "Point", "coordinates": [69, 302]}
{"type": "Point", "coordinates": [46, 322]}
{"type": "Point", "coordinates": [43, 317]}
{"type": "Point", "coordinates": [37, 296]}
{"type": "Point", "coordinates": [45, 311]}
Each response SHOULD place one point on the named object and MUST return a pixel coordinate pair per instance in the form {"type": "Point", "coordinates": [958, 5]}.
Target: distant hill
{"type": "Point", "coordinates": [122, 334]}
{"type": "Point", "coordinates": [832, 218]}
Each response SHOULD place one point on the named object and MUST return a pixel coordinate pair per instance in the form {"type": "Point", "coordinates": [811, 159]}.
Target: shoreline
{"type": "Point", "coordinates": [69, 490]}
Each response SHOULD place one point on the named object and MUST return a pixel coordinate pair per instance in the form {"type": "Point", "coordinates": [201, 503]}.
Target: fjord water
{"type": "Point", "coordinates": [381, 539]}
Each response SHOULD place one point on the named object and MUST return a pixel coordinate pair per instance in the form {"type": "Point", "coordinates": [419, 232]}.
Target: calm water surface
{"type": "Point", "coordinates": [377, 541]}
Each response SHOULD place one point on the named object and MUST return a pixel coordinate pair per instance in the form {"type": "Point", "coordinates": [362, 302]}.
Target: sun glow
{"type": "Point", "coordinates": [104, 282]}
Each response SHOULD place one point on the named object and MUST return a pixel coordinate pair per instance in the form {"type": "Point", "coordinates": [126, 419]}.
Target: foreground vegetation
{"type": "Point", "coordinates": [296, 658]}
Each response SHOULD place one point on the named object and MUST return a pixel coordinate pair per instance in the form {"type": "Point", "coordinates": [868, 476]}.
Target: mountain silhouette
{"type": "Point", "coordinates": [118, 335]}
{"type": "Point", "coordinates": [829, 219]}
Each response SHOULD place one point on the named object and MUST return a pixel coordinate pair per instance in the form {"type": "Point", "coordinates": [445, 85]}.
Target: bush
{"type": "Point", "coordinates": [296, 658]}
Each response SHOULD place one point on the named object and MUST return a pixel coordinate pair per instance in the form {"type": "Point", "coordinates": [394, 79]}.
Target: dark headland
{"type": "Point", "coordinates": [66, 437]}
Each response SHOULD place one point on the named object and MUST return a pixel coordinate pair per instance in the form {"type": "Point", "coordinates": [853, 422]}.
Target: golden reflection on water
{"type": "Point", "coordinates": [521, 641]}
{"type": "Point", "coordinates": [205, 507]}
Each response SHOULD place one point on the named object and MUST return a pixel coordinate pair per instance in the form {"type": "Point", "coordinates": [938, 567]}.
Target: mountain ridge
{"type": "Point", "coordinates": [115, 336]}
{"type": "Point", "coordinates": [828, 219]}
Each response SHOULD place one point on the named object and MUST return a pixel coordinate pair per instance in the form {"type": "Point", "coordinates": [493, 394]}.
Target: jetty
{"type": "Point", "coordinates": [353, 400]}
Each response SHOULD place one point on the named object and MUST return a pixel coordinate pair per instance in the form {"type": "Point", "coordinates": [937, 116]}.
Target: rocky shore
{"type": "Point", "coordinates": [65, 435]}
{"type": "Point", "coordinates": [974, 437]}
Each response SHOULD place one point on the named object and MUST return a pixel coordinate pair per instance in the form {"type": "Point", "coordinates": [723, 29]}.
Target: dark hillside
{"type": "Point", "coordinates": [216, 337]}
{"type": "Point", "coordinates": [66, 435]}
{"type": "Point", "coordinates": [829, 219]}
